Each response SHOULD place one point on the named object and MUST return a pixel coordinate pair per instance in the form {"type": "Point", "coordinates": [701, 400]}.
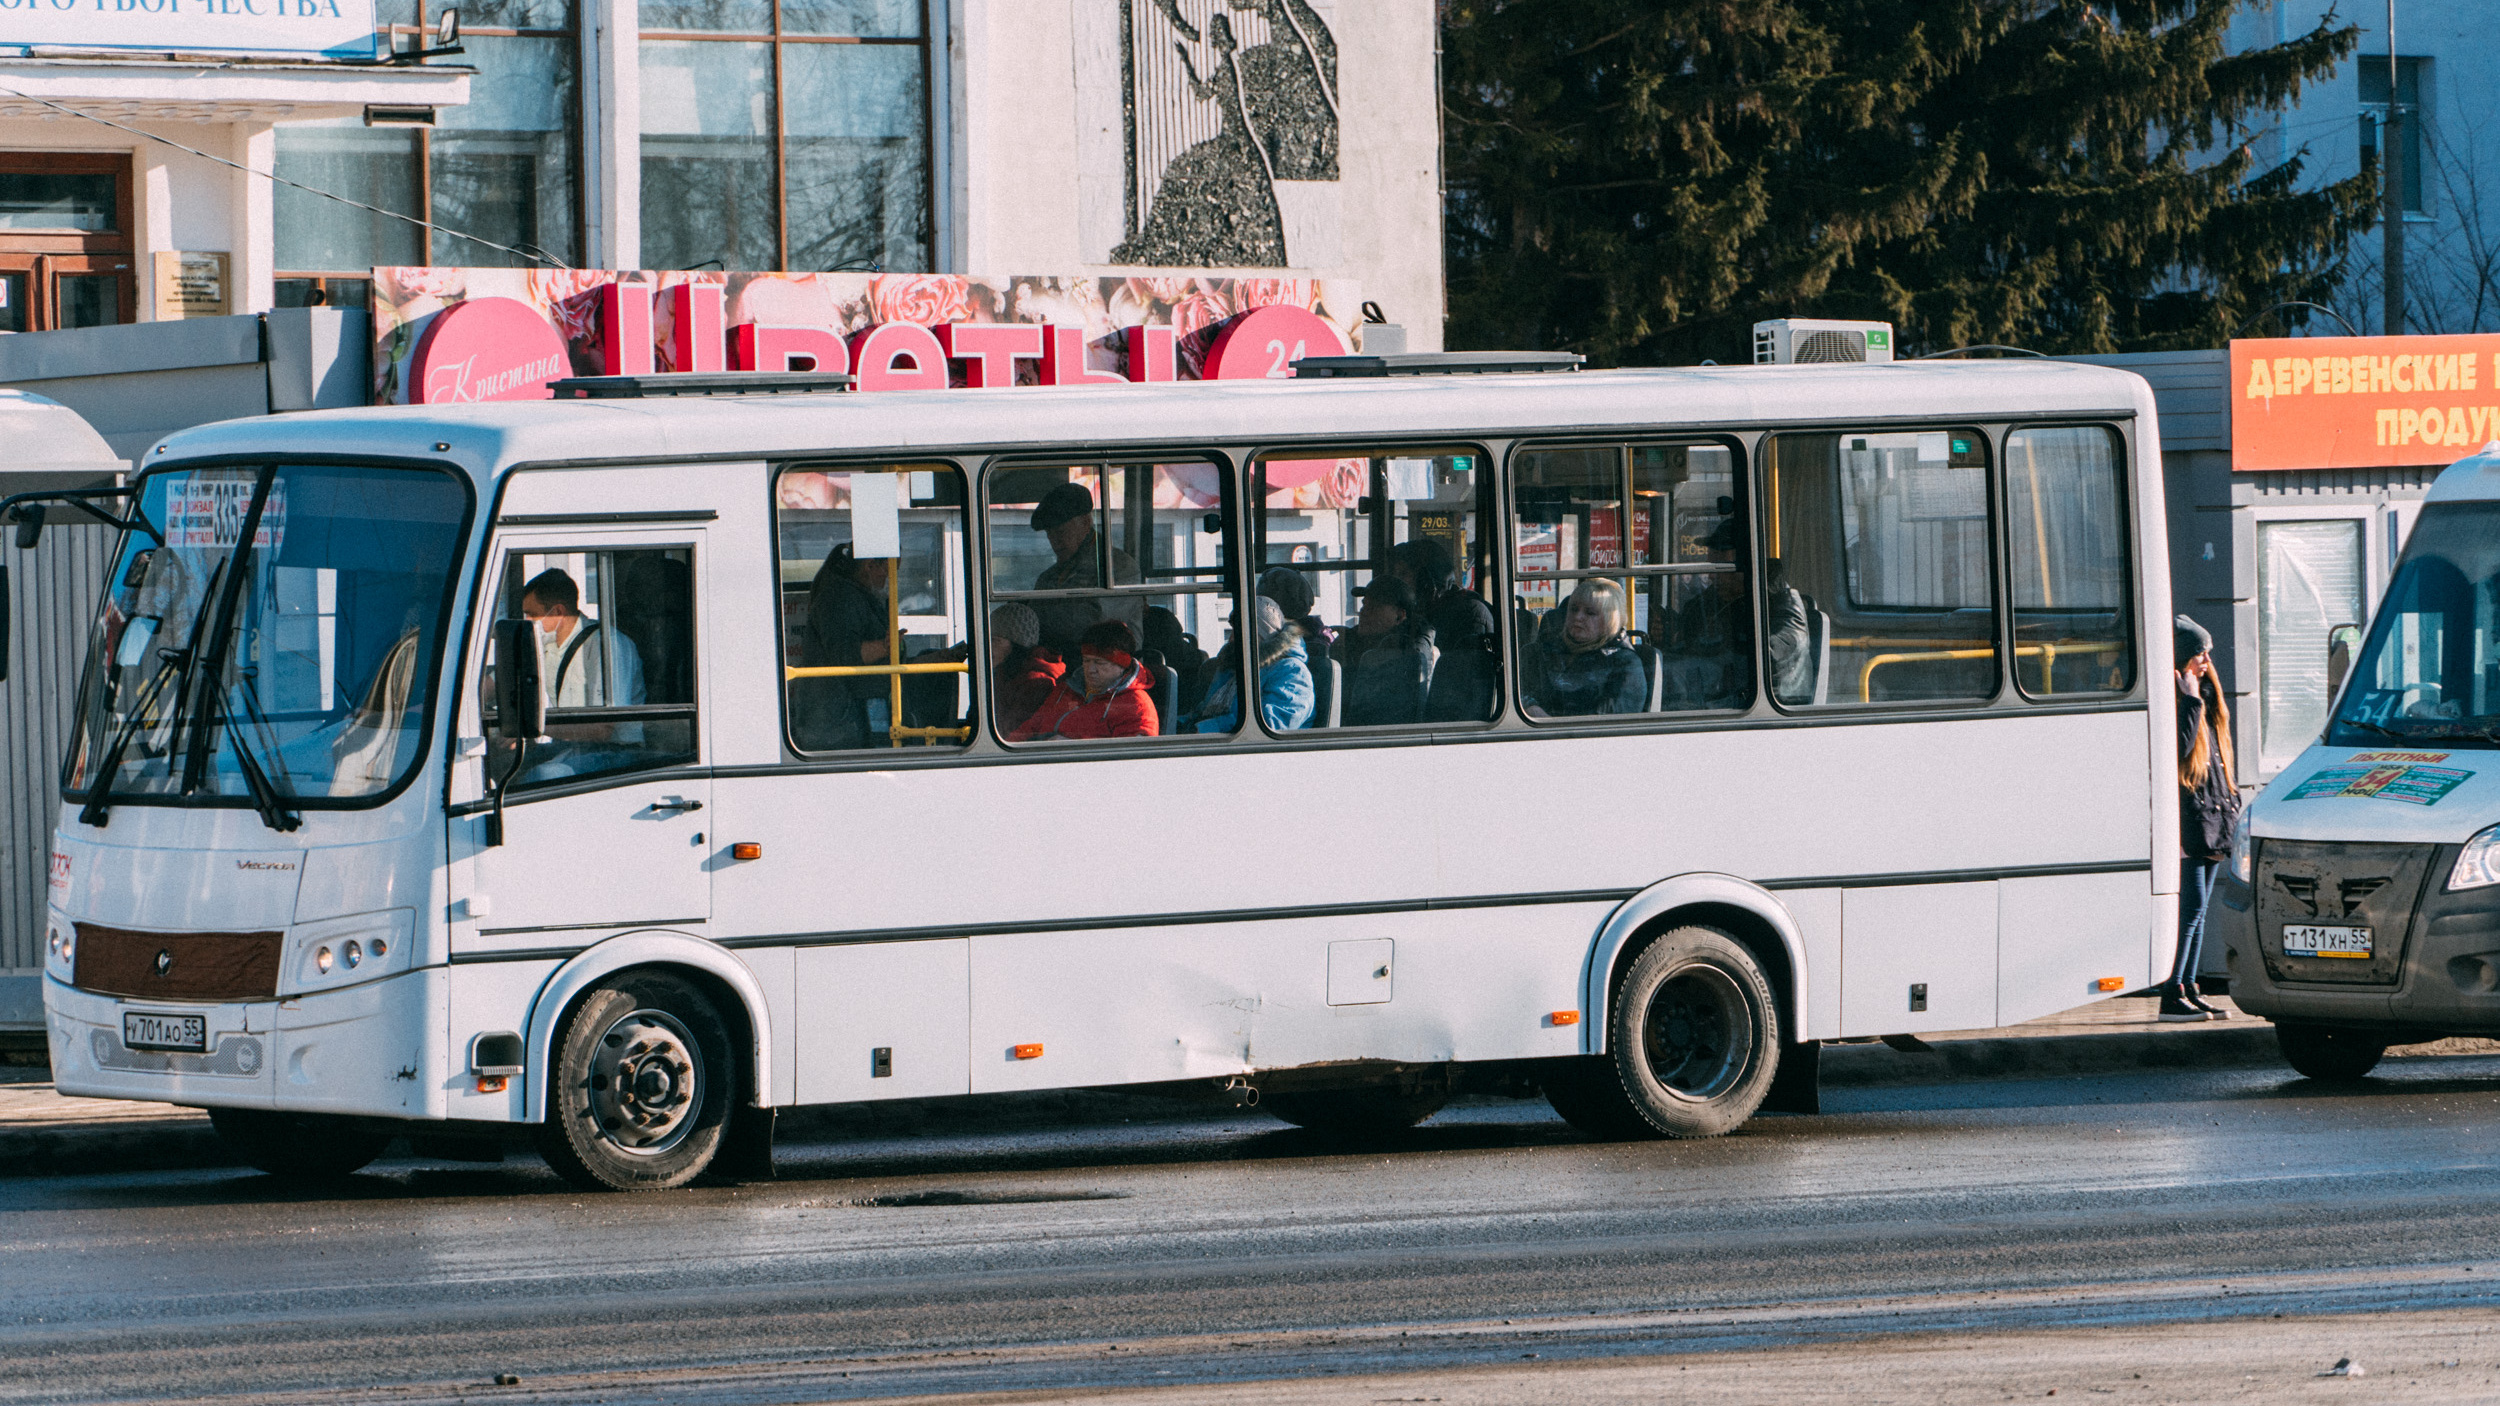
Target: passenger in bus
{"type": "Point", "coordinates": [1023, 674]}
{"type": "Point", "coordinates": [1585, 665]}
{"type": "Point", "coordinates": [1286, 697]}
{"type": "Point", "coordinates": [846, 628]}
{"type": "Point", "coordinates": [1165, 637]}
{"type": "Point", "coordinates": [579, 669]}
{"type": "Point", "coordinates": [1066, 516]}
{"type": "Point", "coordinates": [1458, 623]}
{"type": "Point", "coordinates": [1708, 642]}
{"type": "Point", "coordinates": [1388, 657]}
{"type": "Point", "coordinates": [1108, 695]}
{"type": "Point", "coordinates": [1295, 596]}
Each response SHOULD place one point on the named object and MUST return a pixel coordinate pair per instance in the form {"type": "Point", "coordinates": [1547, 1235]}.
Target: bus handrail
{"type": "Point", "coordinates": [2047, 651]}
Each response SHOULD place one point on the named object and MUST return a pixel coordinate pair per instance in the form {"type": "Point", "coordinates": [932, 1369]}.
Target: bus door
{"type": "Point", "coordinates": [604, 825]}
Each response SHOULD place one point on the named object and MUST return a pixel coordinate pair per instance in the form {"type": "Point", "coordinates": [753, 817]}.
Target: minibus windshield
{"type": "Point", "coordinates": [268, 637]}
{"type": "Point", "coordinates": [2430, 671]}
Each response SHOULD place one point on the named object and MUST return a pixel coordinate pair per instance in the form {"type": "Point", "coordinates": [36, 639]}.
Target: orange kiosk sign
{"type": "Point", "coordinates": [2362, 402]}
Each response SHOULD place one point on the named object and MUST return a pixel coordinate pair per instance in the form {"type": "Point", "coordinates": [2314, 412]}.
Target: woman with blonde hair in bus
{"type": "Point", "coordinates": [1583, 663]}
{"type": "Point", "coordinates": [2209, 809]}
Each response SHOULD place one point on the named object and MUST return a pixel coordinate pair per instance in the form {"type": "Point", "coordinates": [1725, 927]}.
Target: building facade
{"type": "Point", "coordinates": [1078, 137]}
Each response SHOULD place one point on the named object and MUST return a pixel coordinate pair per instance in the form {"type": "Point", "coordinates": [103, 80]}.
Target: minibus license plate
{"type": "Point", "coordinates": [142, 1031]}
{"type": "Point", "coordinates": [2310, 940]}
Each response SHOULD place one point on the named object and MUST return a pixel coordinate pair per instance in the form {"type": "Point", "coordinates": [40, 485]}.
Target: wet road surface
{"type": "Point", "coordinates": [1236, 1249]}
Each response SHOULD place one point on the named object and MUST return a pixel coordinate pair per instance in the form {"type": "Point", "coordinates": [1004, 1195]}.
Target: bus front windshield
{"type": "Point", "coordinates": [268, 634]}
{"type": "Point", "coordinates": [2431, 669]}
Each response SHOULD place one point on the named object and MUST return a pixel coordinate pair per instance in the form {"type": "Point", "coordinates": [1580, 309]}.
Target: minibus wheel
{"type": "Point", "coordinates": [2324, 1052]}
{"type": "Point", "coordinates": [641, 1086]}
{"type": "Point", "coordinates": [1355, 1112]}
{"type": "Point", "coordinates": [302, 1146]}
{"type": "Point", "coordinates": [1695, 1033]}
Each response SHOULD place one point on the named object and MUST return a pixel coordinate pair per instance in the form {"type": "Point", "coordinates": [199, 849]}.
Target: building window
{"type": "Point", "coordinates": [65, 257]}
{"type": "Point", "coordinates": [785, 134]}
{"type": "Point", "coordinates": [2408, 112]}
{"type": "Point", "coordinates": [504, 167]}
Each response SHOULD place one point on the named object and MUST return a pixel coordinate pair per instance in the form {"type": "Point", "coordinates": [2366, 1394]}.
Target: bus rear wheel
{"type": "Point", "coordinates": [1356, 1112]}
{"type": "Point", "coordinates": [299, 1146]}
{"type": "Point", "coordinates": [641, 1087]}
{"type": "Point", "coordinates": [1695, 1036]}
{"type": "Point", "coordinates": [2324, 1052]}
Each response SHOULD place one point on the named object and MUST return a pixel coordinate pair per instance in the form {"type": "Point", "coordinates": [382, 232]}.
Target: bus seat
{"type": "Point", "coordinates": [1327, 681]}
{"type": "Point", "coordinates": [1819, 645]}
{"type": "Point", "coordinates": [1656, 665]}
{"type": "Point", "coordinates": [1167, 700]}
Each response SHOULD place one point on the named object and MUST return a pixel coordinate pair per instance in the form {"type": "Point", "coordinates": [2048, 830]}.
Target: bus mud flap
{"type": "Point", "coordinates": [746, 1147]}
{"type": "Point", "coordinates": [1798, 1086]}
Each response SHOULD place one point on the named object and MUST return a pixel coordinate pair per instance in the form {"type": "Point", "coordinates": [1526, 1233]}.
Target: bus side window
{"type": "Point", "coordinates": [1632, 593]}
{"type": "Point", "coordinates": [2066, 519]}
{"type": "Point", "coordinates": [615, 634]}
{"type": "Point", "coordinates": [876, 652]}
{"type": "Point", "coordinates": [1376, 558]}
{"type": "Point", "coordinates": [1876, 569]}
{"type": "Point", "coordinates": [1119, 575]}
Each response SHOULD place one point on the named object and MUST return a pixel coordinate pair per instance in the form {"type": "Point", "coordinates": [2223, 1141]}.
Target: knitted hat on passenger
{"type": "Point", "coordinates": [1110, 639]}
{"type": "Point", "coordinates": [2188, 639]}
{"type": "Point", "coordinates": [1290, 589]}
{"type": "Point", "coordinates": [1017, 624]}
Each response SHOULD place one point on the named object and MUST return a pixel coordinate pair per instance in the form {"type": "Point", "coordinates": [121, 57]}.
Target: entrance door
{"type": "Point", "coordinates": [65, 245]}
{"type": "Point", "coordinates": [605, 826]}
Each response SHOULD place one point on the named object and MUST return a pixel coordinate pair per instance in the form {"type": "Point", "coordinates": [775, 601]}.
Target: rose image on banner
{"type": "Point", "coordinates": [569, 303]}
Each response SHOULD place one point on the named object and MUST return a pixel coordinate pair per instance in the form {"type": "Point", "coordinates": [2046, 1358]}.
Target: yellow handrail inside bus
{"type": "Point", "coordinates": [2046, 652]}
{"type": "Point", "coordinates": [895, 731]}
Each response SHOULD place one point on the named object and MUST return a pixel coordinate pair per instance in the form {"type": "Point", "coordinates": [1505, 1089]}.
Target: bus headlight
{"type": "Point", "coordinates": [2242, 848]}
{"type": "Point", "coordinates": [2478, 864]}
{"type": "Point", "coordinates": [60, 947]}
{"type": "Point", "coordinates": [341, 951]}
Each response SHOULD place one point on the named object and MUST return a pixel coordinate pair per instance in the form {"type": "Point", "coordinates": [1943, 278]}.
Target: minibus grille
{"type": "Point", "coordinates": [2343, 888]}
{"type": "Point", "coordinates": [178, 966]}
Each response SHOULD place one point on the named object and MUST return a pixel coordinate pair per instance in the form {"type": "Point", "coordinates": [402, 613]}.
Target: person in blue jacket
{"type": "Point", "coordinates": [1587, 666]}
{"type": "Point", "coordinates": [1285, 692]}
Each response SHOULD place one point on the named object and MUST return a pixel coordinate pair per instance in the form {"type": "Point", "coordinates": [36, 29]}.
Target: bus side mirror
{"type": "Point", "coordinates": [2340, 644]}
{"type": "Point", "coordinates": [520, 709]}
{"type": "Point", "coordinates": [29, 526]}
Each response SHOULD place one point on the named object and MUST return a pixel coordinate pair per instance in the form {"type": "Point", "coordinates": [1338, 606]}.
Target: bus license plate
{"type": "Point", "coordinates": [2310, 940]}
{"type": "Point", "coordinates": [142, 1031]}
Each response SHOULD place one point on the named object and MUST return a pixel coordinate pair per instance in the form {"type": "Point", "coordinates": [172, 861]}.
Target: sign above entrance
{"type": "Point", "coordinates": [517, 329]}
{"type": "Point", "coordinates": [339, 29]}
{"type": "Point", "coordinates": [2362, 402]}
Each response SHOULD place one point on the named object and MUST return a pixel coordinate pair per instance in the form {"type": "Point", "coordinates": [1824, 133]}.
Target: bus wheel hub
{"type": "Point", "coordinates": [643, 1081]}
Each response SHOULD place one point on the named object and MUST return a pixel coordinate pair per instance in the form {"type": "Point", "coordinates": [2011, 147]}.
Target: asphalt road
{"type": "Point", "coordinates": [1236, 1250]}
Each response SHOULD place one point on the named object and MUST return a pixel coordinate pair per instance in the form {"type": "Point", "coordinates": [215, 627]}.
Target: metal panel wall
{"type": "Point", "coordinates": [53, 595]}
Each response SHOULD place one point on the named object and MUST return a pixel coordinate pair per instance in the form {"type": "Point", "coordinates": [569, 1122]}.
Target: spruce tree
{"type": "Point", "coordinates": [1640, 180]}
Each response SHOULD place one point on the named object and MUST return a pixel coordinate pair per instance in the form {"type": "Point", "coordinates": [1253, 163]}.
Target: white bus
{"type": "Point", "coordinates": [1759, 706]}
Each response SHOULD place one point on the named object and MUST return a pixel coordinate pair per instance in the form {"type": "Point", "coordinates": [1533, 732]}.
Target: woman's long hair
{"type": "Point", "coordinates": [2199, 761]}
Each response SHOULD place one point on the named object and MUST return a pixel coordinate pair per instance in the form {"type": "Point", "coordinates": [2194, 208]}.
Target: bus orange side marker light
{"type": "Point", "coordinates": [2112, 983]}
{"type": "Point", "coordinates": [492, 1083]}
{"type": "Point", "coordinates": [1563, 1018]}
{"type": "Point", "coordinates": [1028, 1052]}
{"type": "Point", "coordinates": [746, 851]}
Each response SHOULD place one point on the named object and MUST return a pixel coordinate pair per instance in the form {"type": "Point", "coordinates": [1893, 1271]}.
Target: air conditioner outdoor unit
{"type": "Point", "coordinates": [1795, 339]}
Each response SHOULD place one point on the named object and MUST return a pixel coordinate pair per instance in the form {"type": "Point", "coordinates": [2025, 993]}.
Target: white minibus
{"type": "Point", "coordinates": [609, 772]}
{"type": "Point", "coordinates": [2360, 907]}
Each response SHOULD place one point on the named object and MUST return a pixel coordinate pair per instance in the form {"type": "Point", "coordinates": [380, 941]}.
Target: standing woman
{"type": "Point", "coordinates": [2209, 806]}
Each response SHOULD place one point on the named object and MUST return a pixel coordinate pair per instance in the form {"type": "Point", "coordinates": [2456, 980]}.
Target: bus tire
{"type": "Point", "coordinates": [298, 1146]}
{"type": "Point", "coordinates": [1695, 1032]}
{"type": "Point", "coordinates": [1355, 1112]}
{"type": "Point", "coordinates": [2326, 1053]}
{"type": "Point", "coordinates": [641, 1086]}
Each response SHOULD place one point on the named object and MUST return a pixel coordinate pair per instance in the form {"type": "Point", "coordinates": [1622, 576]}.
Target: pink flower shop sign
{"type": "Point", "coordinates": [451, 335]}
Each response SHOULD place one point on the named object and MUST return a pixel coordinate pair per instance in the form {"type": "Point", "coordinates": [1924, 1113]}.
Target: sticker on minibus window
{"type": "Point", "coordinates": [2400, 756]}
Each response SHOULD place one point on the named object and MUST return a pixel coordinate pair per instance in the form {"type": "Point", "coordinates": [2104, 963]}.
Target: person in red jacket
{"type": "Point", "coordinates": [1109, 696]}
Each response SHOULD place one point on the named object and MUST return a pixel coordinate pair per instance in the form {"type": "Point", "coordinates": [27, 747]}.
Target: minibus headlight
{"type": "Point", "coordinates": [2478, 864]}
{"type": "Point", "coordinates": [2242, 849]}
{"type": "Point", "coordinates": [321, 960]}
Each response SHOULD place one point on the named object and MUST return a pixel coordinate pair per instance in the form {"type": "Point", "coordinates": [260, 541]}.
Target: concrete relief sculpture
{"type": "Point", "coordinates": [1231, 121]}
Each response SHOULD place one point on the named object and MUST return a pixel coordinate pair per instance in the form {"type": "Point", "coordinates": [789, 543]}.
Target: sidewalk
{"type": "Point", "coordinates": [45, 1133]}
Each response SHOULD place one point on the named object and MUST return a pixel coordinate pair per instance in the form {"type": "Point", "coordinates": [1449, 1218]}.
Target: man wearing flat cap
{"type": "Point", "coordinates": [1066, 515]}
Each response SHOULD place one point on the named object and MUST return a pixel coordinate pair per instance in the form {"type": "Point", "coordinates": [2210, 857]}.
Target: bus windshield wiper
{"type": "Point", "coordinates": [268, 797]}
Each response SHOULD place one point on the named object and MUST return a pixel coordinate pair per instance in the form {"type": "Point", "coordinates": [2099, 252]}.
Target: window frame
{"type": "Point", "coordinates": [1492, 484]}
{"type": "Point", "coordinates": [1990, 432]}
{"type": "Point", "coordinates": [976, 633]}
{"type": "Point", "coordinates": [1229, 466]}
{"type": "Point", "coordinates": [1741, 475]}
{"type": "Point", "coordinates": [2131, 606]}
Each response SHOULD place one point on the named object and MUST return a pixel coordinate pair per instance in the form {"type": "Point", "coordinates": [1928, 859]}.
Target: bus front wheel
{"type": "Point", "coordinates": [301, 1146]}
{"type": "Point", "coordinates": [1695, 1037]}
{"type": "Point", "coordinates": [641, 1088]}
{"type": "Point", "coordinates": [2323, 1052]}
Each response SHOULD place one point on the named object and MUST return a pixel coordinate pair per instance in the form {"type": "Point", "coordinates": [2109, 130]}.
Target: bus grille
{"type": "Point", "coordinates": [178, 966]}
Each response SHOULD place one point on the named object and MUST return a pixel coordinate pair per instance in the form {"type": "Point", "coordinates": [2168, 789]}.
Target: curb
{"type": "Point", "coordinates": [172, 1144]}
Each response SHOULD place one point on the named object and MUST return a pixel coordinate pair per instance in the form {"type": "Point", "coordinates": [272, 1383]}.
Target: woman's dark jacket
{"type": "Point", "coordinates": [2208, 812]}
{"type": "Point", "coordinates": [1606, 679]}
{"type": "Point", "coordinates": [1387, 678]}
